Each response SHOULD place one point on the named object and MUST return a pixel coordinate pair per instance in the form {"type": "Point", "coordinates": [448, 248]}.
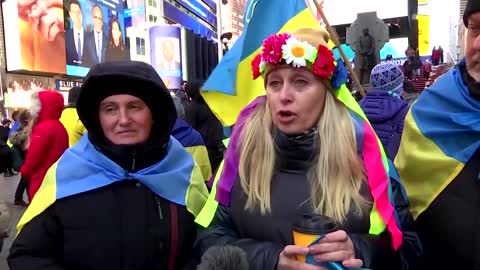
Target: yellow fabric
{"type": "Point", "coordinates": [45, 196]}
{"type": "Point", "coordinates": [197, 192]}
{"type": "Point", "coordinates": [73, 125]}
{"type": "Point", "coordinates": [226, 107]}
{"type": "Point", "coordinates": [208, 211]}
{"type": "Point", "coordinates": [200, 155]}
{"type": "Point", "coordinates": [419, 163]}
{"type": "Point", "coordinates": [377, 225]}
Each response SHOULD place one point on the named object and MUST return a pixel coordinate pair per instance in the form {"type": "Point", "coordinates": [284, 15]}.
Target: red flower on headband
{"type": "Point", "coordinates": [272, 48]}
{"type": "Point", "coordinates": [324, 65]}
{"type": "Point", "coordinates": [256, 66]}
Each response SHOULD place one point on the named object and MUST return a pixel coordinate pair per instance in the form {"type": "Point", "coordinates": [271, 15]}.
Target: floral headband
{"type": "Point", "coordinates": [285, 48]}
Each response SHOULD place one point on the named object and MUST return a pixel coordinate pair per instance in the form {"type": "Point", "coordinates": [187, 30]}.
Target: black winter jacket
{"type": "Point", "coordinates": [264, 237]}
{"type": "Point", "coordinates": [123, 226]}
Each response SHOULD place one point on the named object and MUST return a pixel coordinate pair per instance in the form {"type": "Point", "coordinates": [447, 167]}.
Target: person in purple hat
{"type": "Point", "coordinates": [384, 106]}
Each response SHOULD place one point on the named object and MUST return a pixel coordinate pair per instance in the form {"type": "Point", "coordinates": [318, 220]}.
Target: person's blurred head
{"type": "Point", "coordinates": [75, 11]}
{"type": "Point", "coordinates": [301, 80]}
{"type": "Point", "coordinates": [389, 78]}
{"type": "Point", "coordinates": [97, 15]}
{"type": "Point", "coordinates": [73, 95]}
{"type": "Point", "coordinates": [24, 117]}
{"type": "Point", "coordinates": [15, 115]}
{"type": "Point", "coordinates": [471, 18]}
{"type": "Point", "coordinates": [192, 89]}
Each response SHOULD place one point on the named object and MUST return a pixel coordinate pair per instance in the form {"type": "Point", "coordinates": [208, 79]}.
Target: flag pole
{"type": "Point", "coordinates": [336, 41]}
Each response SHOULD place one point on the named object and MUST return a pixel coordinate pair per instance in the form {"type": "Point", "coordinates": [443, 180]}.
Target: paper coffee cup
{"type": "Point", "coordinates": [309, 229]}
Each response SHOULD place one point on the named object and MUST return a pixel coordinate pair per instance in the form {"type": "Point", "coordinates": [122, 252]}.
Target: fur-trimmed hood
{"type": "Point", "coordinates": [46, 105]}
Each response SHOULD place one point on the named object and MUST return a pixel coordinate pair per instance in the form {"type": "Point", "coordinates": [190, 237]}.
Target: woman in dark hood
{"type": "Point", "coordinates": [126, 195]}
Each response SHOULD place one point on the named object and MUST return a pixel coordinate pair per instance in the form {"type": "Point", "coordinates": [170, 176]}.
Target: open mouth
{"type": "Point", "coordinates": [286, 116]}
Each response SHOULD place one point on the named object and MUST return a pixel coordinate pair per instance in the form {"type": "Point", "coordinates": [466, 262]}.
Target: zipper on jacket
{"type": "Point", "coordinates": [134, 154]}
{"type": "Point", "coordinates": [159, 206]}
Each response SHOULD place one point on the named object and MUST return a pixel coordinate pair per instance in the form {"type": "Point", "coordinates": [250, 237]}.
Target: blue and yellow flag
{"type": "Point", "coordinates": [231, 87]}
{"type": "Point", "coordinates": [194, 144]}
{"type": "Point", "coordinates": [82, 168]}
{"type": "Point", "coordinates": [441, 134]}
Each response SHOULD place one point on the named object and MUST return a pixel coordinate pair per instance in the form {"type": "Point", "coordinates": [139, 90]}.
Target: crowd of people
{"type": "Point", "coordinates": [131, 175]}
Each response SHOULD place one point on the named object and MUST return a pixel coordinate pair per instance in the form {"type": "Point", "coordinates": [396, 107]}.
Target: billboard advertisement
{"type": "Point", "coordinates": [94, 33]}
{"type": "Point", "coordinates": [134, 13]}
{"type": "Point", "coordinates": [166, 54]}
{"type": "Point", "coordinates": [424, 35]}
{"type": "Point", "coordinates": [34, 38]}
{"type": "Point", "coordinates": [63, 36]}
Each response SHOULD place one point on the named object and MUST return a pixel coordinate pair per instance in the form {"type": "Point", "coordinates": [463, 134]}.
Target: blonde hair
{"type": "Point", "coordinates": [335, 178]}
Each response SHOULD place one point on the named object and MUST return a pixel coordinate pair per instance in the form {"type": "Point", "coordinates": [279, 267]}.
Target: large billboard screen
{"type": "Point", "coordinates": [63, 36]}
{"type": "Point", "coordinates": [94, 33]}
{"type": "Point", "coordinates": [34, 38]}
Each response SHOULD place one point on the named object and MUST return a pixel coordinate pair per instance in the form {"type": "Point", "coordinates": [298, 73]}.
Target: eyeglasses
{"type": "Point", "coordinates": [98, 18]}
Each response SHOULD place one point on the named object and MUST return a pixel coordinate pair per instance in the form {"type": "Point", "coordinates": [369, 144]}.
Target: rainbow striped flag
{"type": "Point", "coordinates": [82, 168]}
{"type": "Point", "coordinates": [231, 87]}
{"type": "Point", "coordinates": [441, 134]}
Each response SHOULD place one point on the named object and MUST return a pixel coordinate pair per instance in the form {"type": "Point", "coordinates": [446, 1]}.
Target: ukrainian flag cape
{"type": "Point", "coordinates": [441, 134]}
{"type": "Point", "coordinates": [231, 82]}
{"type": "Point", "coordinates": [82, 168]}
{"type": "Point", "coordinates": [379, 169]}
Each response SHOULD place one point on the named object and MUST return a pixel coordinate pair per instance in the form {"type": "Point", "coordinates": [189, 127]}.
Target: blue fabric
{"type": "Point", "coordinates": [255, 31]}
{"type": "Point", "coordinates": [186, 135]}
{"type": "Point", "coordinates": [14, 128]}
{"type": "Point", "coordinates": [447, 114]}
{"type": "Point", "coordinates": [82, 168]}
{"type": "Point", "coordinates": [387, 115]}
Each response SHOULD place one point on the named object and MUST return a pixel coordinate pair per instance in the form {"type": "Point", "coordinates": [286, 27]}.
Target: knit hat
{"type": "Point", "coordinates": [387, 77]}
{"type": "Point", "coordinates": [131, 78]}
{"type": "Point", "coordinates": [303, 48]}
{"type": "Point", "coordinates": [473, 6]}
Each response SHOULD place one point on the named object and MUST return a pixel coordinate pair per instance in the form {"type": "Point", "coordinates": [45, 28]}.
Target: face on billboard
{"type": "Point", "coordinates": [97, 19]}
{"type": "Point", "coordinates": [76, 15]}
{"type": "Point", "coordinates": [116, 33]}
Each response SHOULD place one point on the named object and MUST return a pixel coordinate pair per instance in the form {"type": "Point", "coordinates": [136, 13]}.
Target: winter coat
{"type": "Point", "coordinates": [386, 114]}
{"type": "Point", "coordinates": [95, 228]}
{"type": "Point", "coordinates": [72, 124]}
{"type": "Point", "coordinates": [263, 237]}
{"type": "Point", "coordinates": [49, 138]}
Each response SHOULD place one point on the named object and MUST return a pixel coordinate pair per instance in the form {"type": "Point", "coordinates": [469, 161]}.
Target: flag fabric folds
{"type": "Point", "coordinates": [441, 134]}
{"type": "Point", "coordinates": [194, 144]}
{"type": "Point", "coordinates": [82, 168]}
{"type": "Point", "coordinates": [231, 87]}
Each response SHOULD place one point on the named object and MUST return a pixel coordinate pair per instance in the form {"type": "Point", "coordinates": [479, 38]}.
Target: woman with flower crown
{"type": "Point", "coordinates": [307, 149]}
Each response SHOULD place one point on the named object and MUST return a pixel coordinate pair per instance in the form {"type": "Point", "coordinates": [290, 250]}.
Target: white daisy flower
{"type": "Point", "coordinates": [297, 52]}
{"type": "Point", "coordinates": [262, 66]}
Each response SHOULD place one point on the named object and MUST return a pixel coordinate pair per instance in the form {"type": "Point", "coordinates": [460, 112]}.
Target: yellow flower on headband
{"type": "Point", "coordinates": [297, 52]}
